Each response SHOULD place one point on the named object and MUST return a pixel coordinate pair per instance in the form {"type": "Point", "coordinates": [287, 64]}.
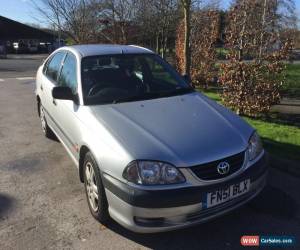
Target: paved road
{"type": "Point", "coordinates": [43, 205]}
{"type": "Point", "coordinates": [20, 65]}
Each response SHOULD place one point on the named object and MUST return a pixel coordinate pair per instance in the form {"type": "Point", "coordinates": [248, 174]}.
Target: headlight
{"type": "Point", "coordinates": [255, 146]}
{"type": "Point", "coordinates": [152, 173]}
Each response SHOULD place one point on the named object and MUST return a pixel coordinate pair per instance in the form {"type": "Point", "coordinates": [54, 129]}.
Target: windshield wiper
{"type": "Point", "coordinates": [144, 96]}
{"type": "Point", "coordinates": [179, 91]}
{"type": "Point", "coordinates": [152, 95]}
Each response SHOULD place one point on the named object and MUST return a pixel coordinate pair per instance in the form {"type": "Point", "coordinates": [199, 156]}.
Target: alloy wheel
{"type": "Point", "coordinates": [43, 119]}
{"type": "Point", "coordinates": [91, 186]}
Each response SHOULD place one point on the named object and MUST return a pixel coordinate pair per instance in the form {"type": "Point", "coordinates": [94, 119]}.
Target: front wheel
{"type": "Point", "coordinates": [94, 189]}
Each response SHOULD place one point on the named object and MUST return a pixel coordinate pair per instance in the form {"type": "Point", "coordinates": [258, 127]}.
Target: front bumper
{"type": "Point", "coordinates": [149, 211]}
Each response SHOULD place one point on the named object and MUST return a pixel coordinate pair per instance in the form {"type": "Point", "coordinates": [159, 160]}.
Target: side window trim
{"type": "Point", "coordinates": [61, 66]}
{"type": "Point", "coordinates": [76, 69]}
{"type": "Point", "coordinates": [46, 64]}
{"type": "Point", "coordinates": [76, 66]}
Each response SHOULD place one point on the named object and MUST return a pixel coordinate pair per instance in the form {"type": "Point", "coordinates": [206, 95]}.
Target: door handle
{"type": "Point", "coordinates": [54, 102]}
{"type": "Point", "coordinates": [41, 87]}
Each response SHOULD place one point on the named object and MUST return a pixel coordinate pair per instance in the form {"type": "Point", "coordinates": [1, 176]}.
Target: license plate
{"type": "Point", "coordinates": [222, 195]}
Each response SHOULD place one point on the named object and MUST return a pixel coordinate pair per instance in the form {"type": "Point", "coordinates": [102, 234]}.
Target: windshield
{"type": "Point", "coordinates": [123, 78]}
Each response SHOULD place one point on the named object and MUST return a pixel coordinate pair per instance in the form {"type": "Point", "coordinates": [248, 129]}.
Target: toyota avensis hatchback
{"type": "Point", "coordinates": [153, 153]}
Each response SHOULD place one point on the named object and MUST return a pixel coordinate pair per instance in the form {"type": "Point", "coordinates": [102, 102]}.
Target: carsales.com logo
{"type": "Point", "coordinates": [255, 240]}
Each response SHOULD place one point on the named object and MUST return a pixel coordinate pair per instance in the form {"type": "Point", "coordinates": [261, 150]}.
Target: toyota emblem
{"type": "Point", "coordinates": [223, 168]}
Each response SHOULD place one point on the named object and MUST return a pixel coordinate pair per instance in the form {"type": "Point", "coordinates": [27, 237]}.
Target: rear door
{"type": "Point", "coordinates": [49, 81]}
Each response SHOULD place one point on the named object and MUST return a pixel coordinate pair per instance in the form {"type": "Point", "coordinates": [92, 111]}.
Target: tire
{"type": "Point", "coordinates": [45, 128]}
{"type": "Point", "coordinates": [94, 189]}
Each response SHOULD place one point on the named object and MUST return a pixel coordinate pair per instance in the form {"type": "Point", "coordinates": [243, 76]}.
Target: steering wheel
{"type": "Point", "coordinates": [96, 88]}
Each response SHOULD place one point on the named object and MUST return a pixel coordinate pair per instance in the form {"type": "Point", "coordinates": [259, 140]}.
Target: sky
{"type": "Point", "coordinates": [24, 11]}
{"type": "Point", "coordinates": [21, 10]}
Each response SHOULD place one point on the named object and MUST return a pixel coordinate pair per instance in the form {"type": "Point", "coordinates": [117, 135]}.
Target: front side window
{"type": "Point", "coordinates": [131, 77]}
{"type": "Point", "coordinates": [54, 66]}
{"type": "Point", "coordinates": [67, 75]}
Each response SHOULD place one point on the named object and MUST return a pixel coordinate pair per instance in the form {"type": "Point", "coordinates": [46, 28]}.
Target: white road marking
{"type": "Point", "coordinates": [1, 80]}
{"type": "Point", "coordinates": [25, 78]}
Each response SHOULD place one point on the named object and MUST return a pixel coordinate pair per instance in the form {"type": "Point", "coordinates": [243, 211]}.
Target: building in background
{"type": "Point", "coordinates": [17, 37]}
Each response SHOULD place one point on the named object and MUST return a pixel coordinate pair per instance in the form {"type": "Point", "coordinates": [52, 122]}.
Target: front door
{"type": "Point", "coordinates": [49, 81]}
{"type": "Point", "coordinates": [65, 113]}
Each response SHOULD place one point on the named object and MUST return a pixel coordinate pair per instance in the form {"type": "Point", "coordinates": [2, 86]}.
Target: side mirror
{"type": "Point", "coordinates": [63, 93]}
{"type": "Point", "coordinates": [188, 80]}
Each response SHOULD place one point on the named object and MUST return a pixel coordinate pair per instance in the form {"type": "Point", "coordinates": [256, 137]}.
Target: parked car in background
{"type": "Point", "coordinates": [153, 153]}
{"type": "Point", "coordinates": [32, 48]}
{"type": "Point", "coordinates": [20, 47]}
{"type": "Point", "coordinates": [44, 47]}
{"type": "Point", "coordinates": [2, 50]}
{"type": "Point", "coordinates": [16, 46]}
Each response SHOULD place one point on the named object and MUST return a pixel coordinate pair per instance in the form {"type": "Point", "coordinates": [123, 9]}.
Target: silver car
{"type": "Point", "coordinates": [153, 153]}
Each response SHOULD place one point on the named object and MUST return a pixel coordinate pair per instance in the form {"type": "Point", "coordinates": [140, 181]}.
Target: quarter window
{"type": "Point", "coordinates": [68, 73]}
{"type": "Point", "coordinates": [54, 66]}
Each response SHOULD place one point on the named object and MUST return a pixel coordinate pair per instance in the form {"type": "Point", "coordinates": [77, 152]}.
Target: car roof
{"type": "Point", "coordinates": [107, 49]}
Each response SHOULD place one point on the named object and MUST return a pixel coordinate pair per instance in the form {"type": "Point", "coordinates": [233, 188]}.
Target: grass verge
{"type": "Point", "coordinates": [292, 86]}
{"type": "Point", "coordinates": [211, 94]}
{"type": "Point", "coordinates": [279, 140]}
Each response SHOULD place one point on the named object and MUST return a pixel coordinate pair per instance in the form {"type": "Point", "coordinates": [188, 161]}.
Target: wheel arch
{"type": "Point", "coordinates": [82, 152]}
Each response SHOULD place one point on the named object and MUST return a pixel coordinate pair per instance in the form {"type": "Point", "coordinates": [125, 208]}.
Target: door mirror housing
{"type": "Point", "coordinates": [188, 80]}
{"type": "Point", "coordinates": [63, 93]}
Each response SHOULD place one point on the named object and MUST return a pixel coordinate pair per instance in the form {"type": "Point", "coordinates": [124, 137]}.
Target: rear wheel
{"type": "Point", "coordinates": [45, 128]}
{"type": "Point", "coordinates": [94, 189]}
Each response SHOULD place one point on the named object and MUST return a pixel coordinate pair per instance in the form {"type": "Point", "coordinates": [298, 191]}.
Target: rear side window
{"type": "Point", "coordinates": [54, 66]}
{"type": "Point", "coordinates": [68, 73]}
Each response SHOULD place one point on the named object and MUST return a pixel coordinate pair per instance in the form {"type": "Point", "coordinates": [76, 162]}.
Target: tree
{"type": "Point", "coordinates": [204, 34]}
{"type": "Point", "coordinates": [166, 16]}
{"type": "Point", "coordinates": [186, 4]}
{"type": "Point", "coordinates": [158, 20]}
{"type": "Point", "coordinates": [119, 16]}
{"type": "Point", "coordinates": [75, 18]}
{"type": "Point", "coordinates": [257, 30]}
